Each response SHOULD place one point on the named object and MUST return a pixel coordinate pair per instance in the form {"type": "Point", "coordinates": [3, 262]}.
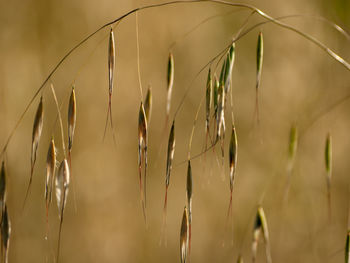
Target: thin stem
{"type": "Point", "coordinates": [199, 24]}
{"type": "Point", "coordinates": [247, 6]}
{"type": "Point", "coordinates": [193, 127]}
{"type": "Point", "coordinates": [60, 119]}
{"type": "Point", "coordinates": [138, 54]}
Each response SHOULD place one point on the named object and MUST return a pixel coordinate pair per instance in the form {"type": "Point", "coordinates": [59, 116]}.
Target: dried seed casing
{"type": "Point", "coordinates": [261, 226]}
{"type": "Point", "coordinates": [184, 237]}
{"type": "Point", "coordinates": [259, 58]}
{"type": "Point", "coordinates": [62, 185]}
{"type": "Point", "coordinates": [208, 100]}
{"type": "Point", "coordinates": [50, 171]}
{"type": "Point", "coordinates": [148, 104]}
{"type": "Point", "coordinates": [233, 156]}
{"type": "Point", "coordinates": [5, 235]}
{"type": "Point", "coordinates": [170, 153]}
{"type": "Point", "coordinates": [347, 248]}
{"type": "Point", "coordinates": [328, 155]}
{"type": "Point", "coordinates": [230, 59]}
{"type": "Point", "coordinates": [170, 81]}
{"type": "Point", "coordinates": [2, 187]}
{"type": "Point", "coordinates": [72, 118]}
{"type": "Point", "coordinates": [111, 60]}
{"type": "Point", "coordinates": [293, 142]}
{"type": "Point", "coordinates": [37, 129]}
{"type": "Point", "coordinates": [220, 118]}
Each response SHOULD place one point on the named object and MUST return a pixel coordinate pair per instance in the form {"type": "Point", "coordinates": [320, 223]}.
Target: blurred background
{"type": "Point", "coordinates": [103, 221]}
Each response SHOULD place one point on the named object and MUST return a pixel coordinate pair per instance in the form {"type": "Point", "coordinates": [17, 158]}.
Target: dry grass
{"type": "Point", "coordinates": [295, 92]}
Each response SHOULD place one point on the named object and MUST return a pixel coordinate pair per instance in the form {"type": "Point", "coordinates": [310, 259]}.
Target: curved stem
{"type": "Point", "coordinates": [60, 119]}
{"type": "Point", "coordinates": [221, 2]}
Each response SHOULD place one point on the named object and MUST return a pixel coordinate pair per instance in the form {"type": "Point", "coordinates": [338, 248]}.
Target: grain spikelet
{"type": "Point", "coordinates": [220, 119]}
{"type": "Point", "coordinates": [260, 226]}
{"type": "Point", "coordinates": [229, 67]}
{"type": "Point", "coordinates": [328, 166]}
{"type": "Point", "coordinates": [111, 68]}
{"type": "Point", "coordinates": [232, 163]}
{"type": "Point", "coordinates": [259, 62]}
{"type": "Point", "coordinates": [50, 173]}
{"type": "Point", "coordinates": [189, 203]}
{"type": "Point", "coordinates": [223, 73]}
{"type": "Point", "coordinates": [62, 187]}
{"type": "Point", "coordinates": [240, 259]}
{"type": "Point", "coordinates": [72, 118]}
{"type": "Point", "coordinates": [2, 188]}
{"type": "Point", "coordinates": [142, 155]}
{"type": "Point", "coordinates": [148, 105]}
{"type": "Point", "coordinates": [5, 235]}
{"type": "Point", "coordinates": [347, 248]}
{"type": "Point", "coordinates": [37, 129]}
{"type": "Point", "coordinates": [215, 101]}
{"type": "Point", "coordinates": [170, 82]}
{"type": "Point", "coordinates": [184, 237]}
{"type": "Point", "coordinates": [208, 102]}
{"type": "Point", "coordinates": [216, 95]}
{"type": "Point", "coordinates": [169, 164]}
{"type": "Point", "coordinates": [292, 148]}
